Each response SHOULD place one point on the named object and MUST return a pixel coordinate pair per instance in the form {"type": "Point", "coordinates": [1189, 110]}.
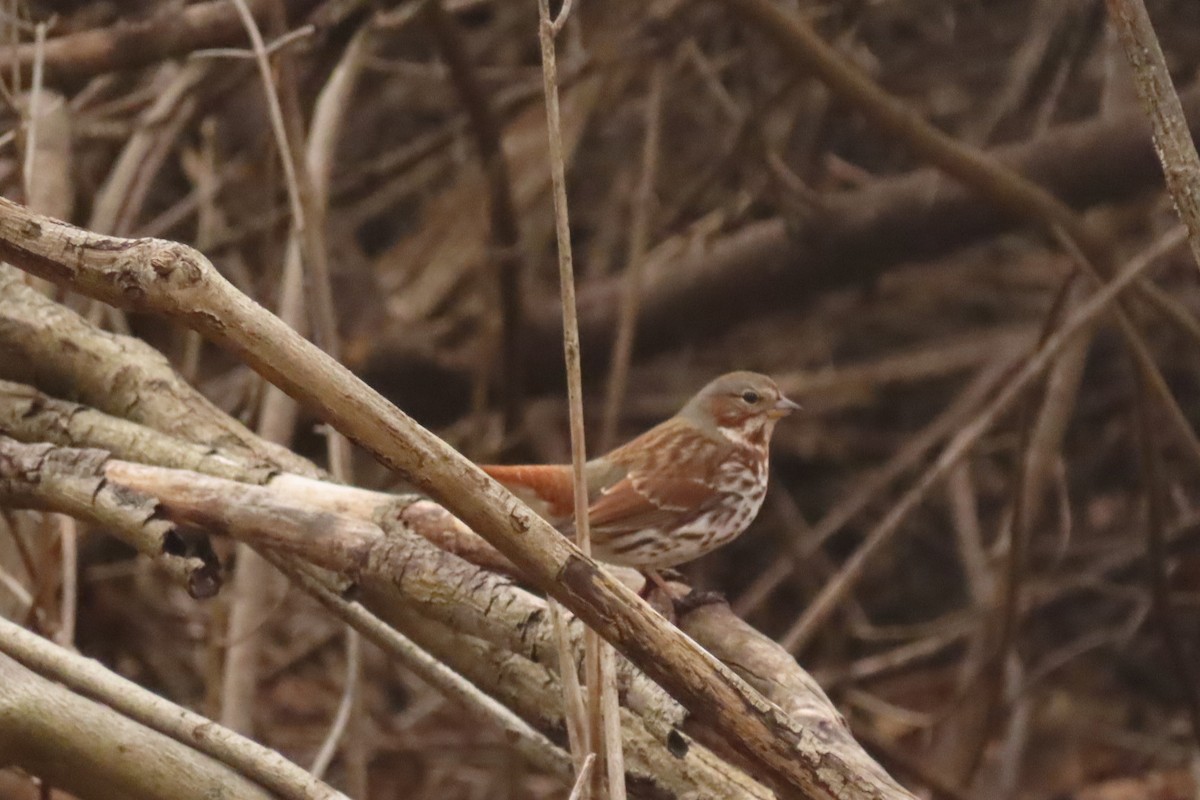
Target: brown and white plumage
{"type": "Point", "coordinates": [678, 491]}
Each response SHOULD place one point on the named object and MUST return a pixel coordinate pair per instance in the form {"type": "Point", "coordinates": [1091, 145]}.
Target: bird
{"type": "Point", "coordinates": [680, 490]}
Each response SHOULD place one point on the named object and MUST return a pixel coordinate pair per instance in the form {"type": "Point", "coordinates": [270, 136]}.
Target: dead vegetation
{"type": "Point", "coordinates": [980, 537]}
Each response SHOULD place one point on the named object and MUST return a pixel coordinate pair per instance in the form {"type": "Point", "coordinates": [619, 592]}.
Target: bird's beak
{"type": "Point", "coordinates": [782, 408]}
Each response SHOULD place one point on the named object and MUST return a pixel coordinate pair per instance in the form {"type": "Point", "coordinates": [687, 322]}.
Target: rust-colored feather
{"type": "Point", "coordinates": [644, 501]}
{"type": "Point", "coordinates": [546, 488]}
{"type": "Point", "coordinates": [669, 472]}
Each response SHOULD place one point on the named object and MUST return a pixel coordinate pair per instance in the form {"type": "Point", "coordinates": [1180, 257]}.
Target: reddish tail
{"type": "Point", "coordinates": [547, 488]}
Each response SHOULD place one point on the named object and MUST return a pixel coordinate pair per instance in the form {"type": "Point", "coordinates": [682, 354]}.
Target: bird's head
{"type": "Point", "coordinates": [742, 406]}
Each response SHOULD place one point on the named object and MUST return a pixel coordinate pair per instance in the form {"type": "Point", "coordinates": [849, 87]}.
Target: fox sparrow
{"type": "Point", "coordinates": [680, 490]}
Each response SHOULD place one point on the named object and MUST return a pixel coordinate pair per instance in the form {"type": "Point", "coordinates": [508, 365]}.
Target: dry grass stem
{"type": "Point", "coordinates": [255, 580]}
{"type": "Point", "coordinates": [68, 540]}
{"type": "Point", "coordinates": [574, 706]}
{"type": "Point", "coordinates": [579, 790]}
{"type": "Point", "coordinates": [275, 112]}
{"type": "Point", "coordinates": [35, 109]}
{"type": "Point", "coordinates": [601, 683]}
{"type": "Point", "coordinates": [1172, 139]}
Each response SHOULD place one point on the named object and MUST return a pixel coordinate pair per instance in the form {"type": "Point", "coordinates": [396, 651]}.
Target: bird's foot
{"type": "Point", "coordinates": [657, 581]}
{"type": "Point", "coordinates": [695, 599]}
{"type": "Point", "coordinates": [658, 593]}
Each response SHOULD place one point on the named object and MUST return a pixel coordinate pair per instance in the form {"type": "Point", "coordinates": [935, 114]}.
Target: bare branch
{"type": "Point", "coordinates": [172, 279]}
{"type": "Point", "coordinates": [50, 731]}
{"type": "Point", "coordinates": [260, 764]}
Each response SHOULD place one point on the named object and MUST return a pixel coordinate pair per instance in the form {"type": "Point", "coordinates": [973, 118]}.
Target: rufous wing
{"type": "Point", "coordinates": [641, 501]}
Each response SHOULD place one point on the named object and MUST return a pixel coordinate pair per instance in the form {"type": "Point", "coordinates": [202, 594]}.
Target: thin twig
{"type": "Point", "coordinates": [68, 539]}
{"type": "Point", "coordinates": [35, 98]}
{"type": "Point", "coordinates": [972, 551]}
{"type": "Point", "coordinates": [305, 247]}
{"type": "Point", "coordinates": [341, 719]}
{"type": "Point", "coordinates": [1172, 138]}
{"type": "Point", "coordinates": [276, 420]}
{"type": "Point", "coordinates": [539, 751]}
{"type": "Point", "coordinates": [1046, 424]}
{"type": "Point", "coordinates": [1008, 605]}
{"type": "Point", "coordinates": [566, 274]}
{"type": "Point", "coordinates": [574, 708]}
{"type": "Point", "coordinates": [314, 172]}
{"type": "Point", "coordinates": [275, 112]}
{"type": "Point", "coordinates": [280, 42]}
{"type": "Point", "coordinates": [581, 781]}
{"type": "Point", "coordinates": [610, 720]}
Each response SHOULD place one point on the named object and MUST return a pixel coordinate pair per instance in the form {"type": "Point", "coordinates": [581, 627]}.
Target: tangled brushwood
{"type": "Point", "coordinates": [277, 274]}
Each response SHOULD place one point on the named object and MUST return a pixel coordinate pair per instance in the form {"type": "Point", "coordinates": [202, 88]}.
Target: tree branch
{"type": "Point", "coordinates": [263, 765]}
{"type": "Point", "coordinates": [169, 33]}
{"type": "Point", "coordinates": [167, 278]}
{"type": "Point", "coordinates": [438, 598]}
{"type": "Point", "coordinates": [444, 602]}
{"type": "Point", "coordinates": [49, 731]}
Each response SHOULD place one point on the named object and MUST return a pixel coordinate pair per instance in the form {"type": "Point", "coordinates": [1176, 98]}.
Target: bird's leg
{"type": "Point", "coordinates": [663, 603]}
{"type": "Point", "coordinates": [652, 577]}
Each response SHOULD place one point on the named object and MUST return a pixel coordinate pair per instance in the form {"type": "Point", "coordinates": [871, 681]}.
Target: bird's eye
{"type": "Point", "coordinates": [750, 397]}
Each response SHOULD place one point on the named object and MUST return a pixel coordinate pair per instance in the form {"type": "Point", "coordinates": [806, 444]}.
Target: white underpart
{"type": "Point", "coordinates": [741, 436]}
